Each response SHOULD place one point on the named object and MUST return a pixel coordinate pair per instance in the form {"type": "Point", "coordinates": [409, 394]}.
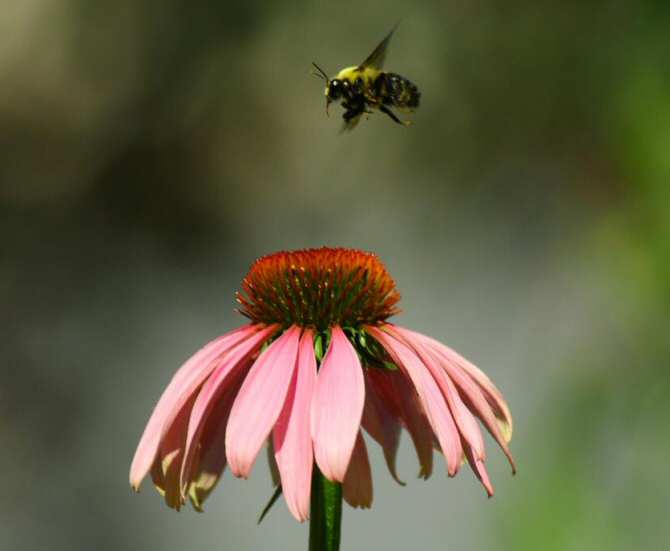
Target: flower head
{"type": "Point", "coordinates": [319, 288]}
{"type": "Point", "coordinates": [317, 363]}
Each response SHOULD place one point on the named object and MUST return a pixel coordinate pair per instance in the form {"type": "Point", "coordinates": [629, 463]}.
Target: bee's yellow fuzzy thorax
{"type": "Point", "coordinates": [368, 74]}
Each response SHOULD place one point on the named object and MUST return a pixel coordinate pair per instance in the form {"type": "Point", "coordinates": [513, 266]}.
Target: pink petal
{"type": "Point", "coordinates": [478, 467]}
{"type": "Point", "coordinates": [210, 458]}
{"type": "Point", "coordinates": [357, 486]}
{"type": "Point", "coordinates": [260, 402]}
{"type": "Point", "coordinates": [291, 435]}
{"type": "Point", "coordinates": [466, 423]}
{"type": "Point", "coordinates": [431, 398]}
{"type": "Point", "coordinates": [471, 394]}
{"type": "Point", "coordinates": [337, 407]}
{"type": "Point", "coordinates": [183, 384]}
{"type": "Point", "coordinates": [381, 424]}
{"type": "Point", "coordinates": [400, 397]}
{"type": "Point", "coordinates": [167, 464]}
{"type": "Point", "coordinates": [493, 396]}
{"type": "Point", "coordinates": [223, 377]}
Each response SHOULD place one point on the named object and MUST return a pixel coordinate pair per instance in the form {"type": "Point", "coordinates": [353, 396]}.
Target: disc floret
{"type": "Point", "coordinates": [319, 288]}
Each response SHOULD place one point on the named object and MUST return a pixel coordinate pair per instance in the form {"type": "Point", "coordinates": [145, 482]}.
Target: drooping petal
{"type": "Point", "coordinates": [472, 396]}
{"type": "Point", "coordinates": [493, 396]}
{"type": "Point", "coordinates": [478, 467]}
{"type": "Point", "coordinates": [183, 384]}
{"type": "Point", "coordinates": [431, 398]}
{"type": "Point", "coordinates": [401, 398]}
{"type": "Point", "coordinates": [357, 486]}
{"type": "Point", "coordinates": [260, 401]}
{"type": "Point", "coordinates": [160, 475]}
{"type": "Point", "coordinates": [291, 436]}
{"type": "Point", "coordinates": [466, 423]}
{"type": "Point", "coordinates": [157, 476]}
{"type": "Point", "coordinates": [381, 425]}
{"type": "Point", "coordinates": [168, 460]}
{"type": "Point", "coordinates": [235, 362]}
{"type": "Point", "coordinates": [337, 407]}
{"type": "Point", "coordinates": [209, 462]}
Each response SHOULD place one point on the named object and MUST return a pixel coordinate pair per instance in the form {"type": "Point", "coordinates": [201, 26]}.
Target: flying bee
{"type": "Point", "coordinates": [366, 87]}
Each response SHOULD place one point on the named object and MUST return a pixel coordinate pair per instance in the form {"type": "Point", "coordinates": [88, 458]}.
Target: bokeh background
{"type": "Point", "coordinates": [150, 151]}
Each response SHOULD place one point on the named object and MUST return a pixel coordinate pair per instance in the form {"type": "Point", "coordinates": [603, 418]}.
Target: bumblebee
{"type": "Point", "coordinates": [366, 87]}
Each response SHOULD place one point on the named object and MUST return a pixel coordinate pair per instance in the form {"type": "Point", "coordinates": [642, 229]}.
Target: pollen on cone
{"type": "Point", "coordinates": [320, 288]}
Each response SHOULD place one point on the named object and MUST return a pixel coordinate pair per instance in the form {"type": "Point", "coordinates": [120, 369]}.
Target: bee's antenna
{"type": "Point", "coordinates": [321, 74]}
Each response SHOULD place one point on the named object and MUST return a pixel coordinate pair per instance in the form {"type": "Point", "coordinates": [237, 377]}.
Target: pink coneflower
{"type": "Point", "coordinates": [317, 364]}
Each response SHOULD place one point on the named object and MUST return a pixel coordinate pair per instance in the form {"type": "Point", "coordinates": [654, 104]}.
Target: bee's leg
{"type": "Point", "coordinates": [350, 114]}
{"type": "Point", "coordinates": [390, 113]}
{"type": "Point", "coordinates": [352, 111]}
{"type": "Point", "coordinates": [351, 118]}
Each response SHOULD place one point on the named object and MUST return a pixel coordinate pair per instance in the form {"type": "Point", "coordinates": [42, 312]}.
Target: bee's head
{"type": "Point", "coordinates": [334, 89]}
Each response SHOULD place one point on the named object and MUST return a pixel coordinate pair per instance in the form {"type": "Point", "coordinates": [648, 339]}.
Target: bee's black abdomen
{"type": "Point", "coordinates": [398, 91]}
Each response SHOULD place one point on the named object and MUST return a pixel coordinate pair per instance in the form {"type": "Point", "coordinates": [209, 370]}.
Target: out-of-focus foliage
{"type": "Point", "coordinates": [149, 151]}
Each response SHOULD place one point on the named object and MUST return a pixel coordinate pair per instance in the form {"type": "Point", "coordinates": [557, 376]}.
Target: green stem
{"type": "Point", "coordinates": [325, 513]}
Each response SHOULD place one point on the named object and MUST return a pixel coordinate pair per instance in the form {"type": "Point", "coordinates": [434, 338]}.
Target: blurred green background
{"type": "Point", "coordinates": [150, 151]}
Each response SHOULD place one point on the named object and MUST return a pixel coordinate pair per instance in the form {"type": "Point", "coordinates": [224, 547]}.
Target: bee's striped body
{"type": "Point", "coordinates": [366, 86]}
{"type": "Point", "coordinates": [397, 91]}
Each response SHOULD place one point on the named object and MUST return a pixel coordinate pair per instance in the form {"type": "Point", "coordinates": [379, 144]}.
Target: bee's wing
{"type": "Point", "coordinates": [378, 56]}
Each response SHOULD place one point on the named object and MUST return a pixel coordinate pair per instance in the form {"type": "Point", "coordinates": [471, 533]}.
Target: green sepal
{"type": "Point", "coordinates": [273, 499]}
{"type": "Point", "coordinates": [369, 351]}
{"type": "Point", "coordinates": [318, 347]}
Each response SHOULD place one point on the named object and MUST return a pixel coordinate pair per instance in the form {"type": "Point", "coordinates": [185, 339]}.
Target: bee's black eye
{"type": "Point", "coordinates": [335, 89]}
